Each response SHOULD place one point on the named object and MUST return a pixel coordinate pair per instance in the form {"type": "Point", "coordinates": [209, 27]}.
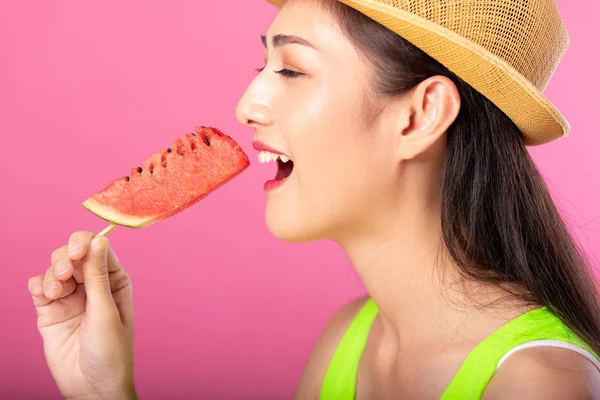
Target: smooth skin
{"type": "Point", "coordinates": [85, 317]}
{"type": "Point", "coordinates": [366, 175]}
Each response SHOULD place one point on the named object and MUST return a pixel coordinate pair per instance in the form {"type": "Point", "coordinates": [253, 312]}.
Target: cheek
{"type": "Point", "coordinates": [335, 162]}
{"type": "Point", "coordinates": [304, 110]}
{"type": "Point", "coordinates": [312, 110]}
{"type": "Point", "coordinates": [330, 147]}
{"type": "Point", "coordinates": [339, 176]}
{"type": "Point", "coordinates": [320, 121]}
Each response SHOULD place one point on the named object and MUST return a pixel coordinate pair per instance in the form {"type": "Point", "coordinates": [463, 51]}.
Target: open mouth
{"type": "Point", "coordinates": [285, 166]}
{"type": "Point", "coordinates": [284, 169]}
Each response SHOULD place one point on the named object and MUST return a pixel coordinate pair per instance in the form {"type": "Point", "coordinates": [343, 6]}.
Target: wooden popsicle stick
{"type": "Point", "coordinates": [107, 230]}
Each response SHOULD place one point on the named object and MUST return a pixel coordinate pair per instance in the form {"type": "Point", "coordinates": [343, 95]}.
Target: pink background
{"type": "Point", "coordinates": [223, 310]}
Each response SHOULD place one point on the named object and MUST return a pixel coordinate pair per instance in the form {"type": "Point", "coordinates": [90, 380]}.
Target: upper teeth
{"type": "Point", "coordinates": [266, 156]}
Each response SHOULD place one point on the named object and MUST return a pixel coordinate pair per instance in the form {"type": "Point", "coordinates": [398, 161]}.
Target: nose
{"type": "Point", "coordinates": [254, 109]}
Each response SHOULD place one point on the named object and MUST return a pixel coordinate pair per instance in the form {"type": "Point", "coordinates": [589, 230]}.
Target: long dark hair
{"type": "Point", "coordinates": [499, 222]}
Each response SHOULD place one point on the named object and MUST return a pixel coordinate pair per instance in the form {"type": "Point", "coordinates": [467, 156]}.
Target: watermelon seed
{"type": "Point", "coordinates": [181, 151]}
{"type": "Point", "coordinates": [140, 170]}
{"type": "Point", "coordinates": [163, 161]}
{"type": "Point", "coordinates": [206, 140]}
{"type": "Point", "coordinates": [169, 150]}
{"type": "Point", "coordinates": [151, 168]}
{"type": "Point", "coordinates": [193, 134]}
{"type": "Point", "coordinates": [127, 178]}
{"type": "Point", "coordinates": [194, 147]}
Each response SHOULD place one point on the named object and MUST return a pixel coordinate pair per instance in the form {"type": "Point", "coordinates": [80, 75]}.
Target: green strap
{"type": "Point", "coordinates": [340, 380]}
{"type": "Point", "coordinates": [479, 367]}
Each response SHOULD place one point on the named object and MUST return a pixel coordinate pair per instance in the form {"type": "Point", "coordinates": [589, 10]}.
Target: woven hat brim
{"type": "Point", "coordinates": [536, 117]}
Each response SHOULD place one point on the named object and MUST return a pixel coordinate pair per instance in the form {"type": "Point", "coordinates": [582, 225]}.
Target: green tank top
{"type": "Point", "coordinates": [536, 327]}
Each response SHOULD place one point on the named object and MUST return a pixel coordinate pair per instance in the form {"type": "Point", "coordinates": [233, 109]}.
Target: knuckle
{"type": "Point", "coordinates": [49, 276]}
{"type": "Point", "coordinates": [98, 270]}
{"type": "Point", "coordinates": [49, 282]}
{"type": "Point", "coordinates": [100, 275]}
{"type": "Point", "coordinates": [121, 281]}
{"type": "Point", "coordinates": [52, 289]}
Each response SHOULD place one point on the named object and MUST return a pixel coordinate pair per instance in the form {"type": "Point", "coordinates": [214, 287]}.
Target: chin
{"type": "Point", "coordinates": [291, 228]}
{"type": "Point", "coordinates": [288, 232]}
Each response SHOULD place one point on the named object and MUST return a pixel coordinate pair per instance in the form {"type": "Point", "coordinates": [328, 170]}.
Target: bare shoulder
{"type": "Point", "coordinates": [545, 373]}
{"type": "Point", "coordinates": [316, 367]}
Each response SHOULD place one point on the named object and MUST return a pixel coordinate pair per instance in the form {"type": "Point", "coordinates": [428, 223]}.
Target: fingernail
{"type": "Point", "coordinates": [99, 246]}
{"type": "Point", "coordinates": [74, 249]}
{"type": "Point", "coordinates": [61, 268]}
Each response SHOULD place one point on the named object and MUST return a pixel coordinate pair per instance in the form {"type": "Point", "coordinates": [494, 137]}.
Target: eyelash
{"type": "Point", "coordinates": [286, 73]}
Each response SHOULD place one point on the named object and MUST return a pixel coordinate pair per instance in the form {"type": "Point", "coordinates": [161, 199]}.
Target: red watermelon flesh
{"type": "Point", "coordinates": [171, 180]}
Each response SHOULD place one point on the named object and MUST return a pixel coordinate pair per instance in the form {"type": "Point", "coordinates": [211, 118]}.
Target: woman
{"type": "Point", "coordinates": [475, 288]}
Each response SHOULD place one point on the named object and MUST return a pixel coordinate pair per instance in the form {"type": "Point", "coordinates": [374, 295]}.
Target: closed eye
{"type": "Point", "coordinates": [287, 73]}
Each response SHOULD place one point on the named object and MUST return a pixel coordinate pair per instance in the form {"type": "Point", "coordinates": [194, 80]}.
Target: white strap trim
{"type": "Point", "coordinates": [551, 343]}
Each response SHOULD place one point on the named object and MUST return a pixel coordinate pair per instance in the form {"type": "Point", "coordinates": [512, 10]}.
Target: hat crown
{"type": "Point", "coordinates": [507, 50]}
{"type": "Point", "coordinates": [529, 35]}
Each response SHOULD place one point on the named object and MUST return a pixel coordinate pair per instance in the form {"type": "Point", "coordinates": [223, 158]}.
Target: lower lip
{"type": "Point", "coordinates": [273, 184]}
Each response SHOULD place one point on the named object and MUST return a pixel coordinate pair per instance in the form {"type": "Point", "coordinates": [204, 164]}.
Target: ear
{"type": "Point", "coordinates": [427, 112]}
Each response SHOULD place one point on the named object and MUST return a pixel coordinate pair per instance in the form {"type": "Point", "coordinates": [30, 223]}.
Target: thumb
{"type": "Point", "coordinates": [95, 279]}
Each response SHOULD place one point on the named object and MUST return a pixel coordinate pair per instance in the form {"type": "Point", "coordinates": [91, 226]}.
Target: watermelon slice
{"type": "Point", "coordinates": [171, 180]}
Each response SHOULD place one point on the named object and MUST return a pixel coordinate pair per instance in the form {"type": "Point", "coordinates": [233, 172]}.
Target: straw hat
{"type": "Point", "coordinates": [505, 49]}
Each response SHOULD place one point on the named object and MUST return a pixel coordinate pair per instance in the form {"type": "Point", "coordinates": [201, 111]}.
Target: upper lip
{"type": "Point", "coordinates": [260, 146]}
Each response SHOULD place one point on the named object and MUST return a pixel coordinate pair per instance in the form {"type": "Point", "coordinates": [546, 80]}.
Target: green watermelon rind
{"type": "Point", "coordinates": [109, 214]}
{"type": "Point", "coordinates": [112, 216]}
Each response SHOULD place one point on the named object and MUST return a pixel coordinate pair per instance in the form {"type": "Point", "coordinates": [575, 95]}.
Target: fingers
{"type": "Point", "coordinates": [36, 288]}
{"type": "Point", "coordinates": [77, 272]}
{"type": "Point", "coordinates": [48, 288]}
{"type": "Point", "coordinates": [121, 287]}
{"type": "Point", "coordinates": [86, 259]}
{"type": "Point", "coordinates": [79, 244]}
{"type": "Point", "coordinates": [52, 286]}
{"type": "Point", "coordinates": [35, 285]}
{"type": "Point", "coordinates": [96, 280]}
{"type": "Point", "coordinates": [114, 265]}
{"type": "Point", "coordinates": [66, 260]}
{"type": "Point", "coordinates": [62, 265]}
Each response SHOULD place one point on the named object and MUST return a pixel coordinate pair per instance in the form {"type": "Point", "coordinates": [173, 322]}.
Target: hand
{"type": "Point", "coordinates": [85, 317]}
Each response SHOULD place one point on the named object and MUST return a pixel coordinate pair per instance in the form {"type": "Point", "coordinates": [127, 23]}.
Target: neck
{"type": "Point", "coordinates": [406, 269]}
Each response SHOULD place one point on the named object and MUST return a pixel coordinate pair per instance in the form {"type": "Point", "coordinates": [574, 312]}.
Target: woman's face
{"type": "Point", "coordinates": [310, 104]}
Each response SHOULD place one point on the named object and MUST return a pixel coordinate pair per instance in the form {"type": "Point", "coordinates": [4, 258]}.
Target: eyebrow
{"type": "Point", "coordinates": [280, 40]}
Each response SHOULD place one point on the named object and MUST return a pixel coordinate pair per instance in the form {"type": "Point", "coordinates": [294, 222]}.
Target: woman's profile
{"type": "Point", "coordinates": [400, 131]}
